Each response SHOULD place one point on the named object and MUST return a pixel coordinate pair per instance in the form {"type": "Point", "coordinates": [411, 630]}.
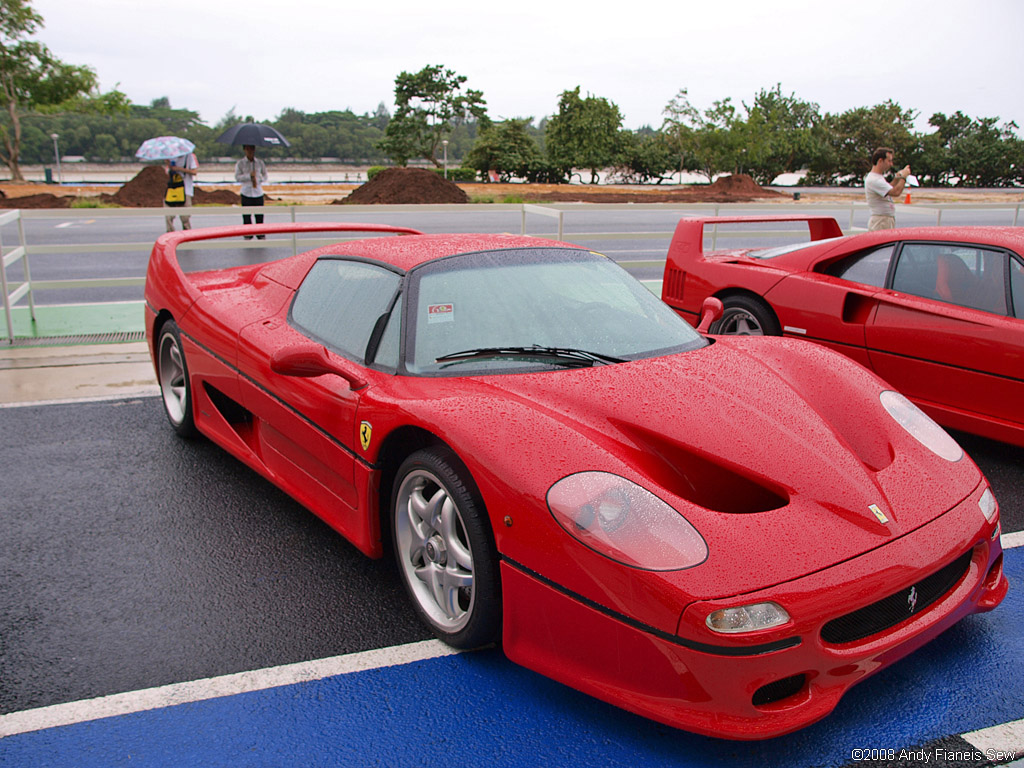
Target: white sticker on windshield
{"type": "Point", "coordinates": [440, 313]}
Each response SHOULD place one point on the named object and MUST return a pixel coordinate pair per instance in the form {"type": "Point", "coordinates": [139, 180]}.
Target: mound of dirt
{"type": "Point", "coordinates": [147, 189]}
{"type": "Point", "coordinates": [404, 186]}
{"type": "Point", "coordinates": [42, 200]}
{"type": "Point", "coordinates": [219, 197]}
{"type": "Point", "coordinates": [740, 184]}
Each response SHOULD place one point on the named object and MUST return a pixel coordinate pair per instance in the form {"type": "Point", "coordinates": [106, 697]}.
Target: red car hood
{"type": "Point", "coordinates": [774, 449]}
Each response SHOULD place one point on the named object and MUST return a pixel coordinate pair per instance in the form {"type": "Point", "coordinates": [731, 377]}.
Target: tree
{"type": "Point", "coordinates": [645, 155]}
{"type": "Point", "coordinates": [778, 134]}
{"type": "Point", "coordinates": [584, 133]}
{"type": "Point", "coordinates": [507, 148]}
{"type": "Point", "coordinates": [709, 142]}
{"type": "Point", "coordinates": [970, 152]}
{"type": "Point", "coordinates": [429, 104]}
{"type": "Point", "coordinates": [844, 142]}
{"type": "Point", "coordinates": [32, 78]}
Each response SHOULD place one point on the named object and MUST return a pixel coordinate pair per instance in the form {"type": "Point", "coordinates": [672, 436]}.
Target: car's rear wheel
{"type": "Point", "coordinates": [746, 316]}
{"type": "Point", "coordinates": [445, 550]}
{"type": "Point", "coordinates": [175, 388]}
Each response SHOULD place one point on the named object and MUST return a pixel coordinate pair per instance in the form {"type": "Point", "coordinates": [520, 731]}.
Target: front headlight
{"type": "Point", "coordinates": [920, 426]}
{"type": "Point", "coordinates": [987, 504]}
{"type": "Point", "coordinates": [622, 521]}
{"type": "Point", "coordinates": [747, 618]}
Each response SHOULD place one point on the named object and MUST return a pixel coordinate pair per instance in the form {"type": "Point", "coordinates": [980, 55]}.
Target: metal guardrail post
{"type": "Point", "coordinates": [3, 287]}
{"type": "Point", "coordinates": [19, 253]}
{"type": "Point", "coordinates": [28, 273]}
{"type": "Point", "coordinates": [295, 239]}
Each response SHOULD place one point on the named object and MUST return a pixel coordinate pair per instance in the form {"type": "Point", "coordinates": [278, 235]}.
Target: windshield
{"type": "Point", "coordinates": [534, 309]}
{"type": "Point", "coordinates": [770, 253]}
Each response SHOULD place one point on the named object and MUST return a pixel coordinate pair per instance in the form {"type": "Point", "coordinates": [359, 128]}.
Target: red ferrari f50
{"type": "Point", "coordinates": [721, 534]}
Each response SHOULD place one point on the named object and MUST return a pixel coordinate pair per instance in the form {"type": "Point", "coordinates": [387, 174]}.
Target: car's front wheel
{"type": "Point", "coordinates": [746, 316]}
{"type": "Point", "coordinates": [175, 388]}
{"type": "Point", "coordinates": [445, 550]}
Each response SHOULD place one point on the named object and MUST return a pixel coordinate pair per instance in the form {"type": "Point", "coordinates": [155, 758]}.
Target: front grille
{"type": "Point", "coordinates": [777, 691]}
{"type": "Point", "coordinates": [897, 607]}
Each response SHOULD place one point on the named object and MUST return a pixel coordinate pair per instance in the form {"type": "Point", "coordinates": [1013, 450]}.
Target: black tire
{"type": "Point", "coordinates": [175, 385]}
{"type": "Point", "coordinates": [747, 316]}
{"type": "Point", "coordinates": [445, 549]}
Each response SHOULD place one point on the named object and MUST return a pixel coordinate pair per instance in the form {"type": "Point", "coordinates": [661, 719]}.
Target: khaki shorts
{"type": "Point", "coordinates": [881, 222]}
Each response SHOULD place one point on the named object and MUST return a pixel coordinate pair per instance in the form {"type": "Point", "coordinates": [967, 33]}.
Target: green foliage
{"type": "Point", "coordinates": [708, 142]}
{"type": "Point", "coordinates": [777, 136]}
{"type": "Point", "coordinates": [32, 78]}
{"type": "Point", "coordinates": [429, 105]}
{"type": "Point", "coordinates": [547, 172]}
{"type": "Point", "coordinates": [584, 134]}
{"type": "Point", "coordinates": [644, 157]}
{"type": "Point", "coordinates": [459, 173]}
{"type": "Point", "coordinates": [773, 134]}
{"type": "Point", "coordinates": [844, 142]}
{"type": "Point", "coordinates": [91, 202]}
{"type": "Point", "coordinates": [969, 152]}
{"type": "Point", "coordinates": [506, 148]}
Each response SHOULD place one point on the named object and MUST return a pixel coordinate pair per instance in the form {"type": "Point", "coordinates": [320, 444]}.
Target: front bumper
{"type": "Point", "coordinates": [707, 683]}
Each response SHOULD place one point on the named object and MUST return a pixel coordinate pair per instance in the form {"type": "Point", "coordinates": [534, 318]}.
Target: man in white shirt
{"type": "Point", "coordinates": [880, 193]}
{"type": "Point", "coordinates": [251, 173]}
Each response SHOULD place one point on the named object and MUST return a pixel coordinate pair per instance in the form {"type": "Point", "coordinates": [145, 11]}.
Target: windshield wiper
{"type": "Point", "coordinates": [566, 356]}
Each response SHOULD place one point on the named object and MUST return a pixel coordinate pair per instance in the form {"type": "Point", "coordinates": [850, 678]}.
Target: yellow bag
{"type": "Point", "coordinates": [175, 195]}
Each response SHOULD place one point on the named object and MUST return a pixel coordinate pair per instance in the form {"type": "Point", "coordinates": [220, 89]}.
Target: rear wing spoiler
{"type": "Point", "coordinates": [688, 240]}
{"type": "Point", "coordinates": [164, 255]}
{"type": "Point", "coordinates": [172, 240]}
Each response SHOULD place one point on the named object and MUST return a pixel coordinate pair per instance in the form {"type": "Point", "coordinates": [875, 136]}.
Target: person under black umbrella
{"type": "Point", "coordinates": [251, 173]}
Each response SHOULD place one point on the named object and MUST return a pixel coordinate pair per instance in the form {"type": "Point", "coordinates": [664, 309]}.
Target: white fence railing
{"type": "Point", "coordinates": [23, 287]}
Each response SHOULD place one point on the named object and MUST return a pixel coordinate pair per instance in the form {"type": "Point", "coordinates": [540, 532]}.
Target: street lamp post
{"type": "Point", "coordinates": [56, 156]}
{"type": "Point", "coordinates": [444, 143]}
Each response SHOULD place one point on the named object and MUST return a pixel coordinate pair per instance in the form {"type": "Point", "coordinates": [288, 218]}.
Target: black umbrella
{"type": "Point", "coordinates": [256, 134]}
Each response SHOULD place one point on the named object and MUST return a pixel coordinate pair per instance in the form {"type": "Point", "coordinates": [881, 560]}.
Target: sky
{"type": "Point", "coordinates": [258, 57]}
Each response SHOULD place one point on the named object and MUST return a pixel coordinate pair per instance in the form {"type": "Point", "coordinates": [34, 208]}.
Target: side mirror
{"type": "Point", "coordinates": [710, 311]}
{"type": "Point", "coordinates": [311, 360]}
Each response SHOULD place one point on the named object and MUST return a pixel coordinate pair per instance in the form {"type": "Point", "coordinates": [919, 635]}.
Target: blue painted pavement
{"type": "Point", "coordinates": [478, 709]}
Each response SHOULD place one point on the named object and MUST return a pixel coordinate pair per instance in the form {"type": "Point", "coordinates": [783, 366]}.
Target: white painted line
{"type": "Point", "coordinates": [216, 687]}
{"type": "Point", "coordinates": [1011, 540]}
{"type": "Point", "coordinates": [1006, 741]}
{"type": "Point", "coordinates": [147, 391]}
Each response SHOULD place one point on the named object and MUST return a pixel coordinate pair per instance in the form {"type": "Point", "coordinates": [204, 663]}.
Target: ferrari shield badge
{"type": "Point", "coordinates": [365, 433]}
{"type": "Point", "coordinates": [877, 512]}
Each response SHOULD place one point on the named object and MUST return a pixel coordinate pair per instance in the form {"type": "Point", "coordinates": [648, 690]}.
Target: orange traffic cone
{"type": "Point", "coordinates": [906, 200]}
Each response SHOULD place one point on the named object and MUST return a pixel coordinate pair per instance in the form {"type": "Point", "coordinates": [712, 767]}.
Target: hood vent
{"type": "Point", "coordinates": [706, 481]}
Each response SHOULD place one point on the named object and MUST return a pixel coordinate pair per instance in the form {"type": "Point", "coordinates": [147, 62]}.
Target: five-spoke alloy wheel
{"type": "Point", "coordinates": [444, 548]}
{"type": "Point", "coordinates": [746, 316]}
{"type": "Point", "coordinates": [175, 388]}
